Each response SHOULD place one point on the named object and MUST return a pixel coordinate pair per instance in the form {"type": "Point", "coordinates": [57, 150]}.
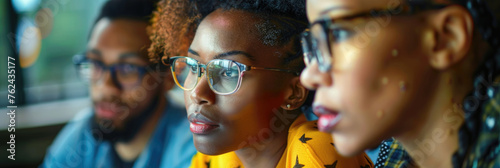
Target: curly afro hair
{"type": "Point", "coordinates": [282, 22]}
{"type": "Point", "coordinates": [172, 29]}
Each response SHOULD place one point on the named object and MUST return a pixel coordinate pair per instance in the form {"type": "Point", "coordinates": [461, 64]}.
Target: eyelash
{"type": "Point", "coordinates": [339, 34]}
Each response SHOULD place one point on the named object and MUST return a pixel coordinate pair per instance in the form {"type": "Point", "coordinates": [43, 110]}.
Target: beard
{"type": "Point", "coordinates": [104, 129]}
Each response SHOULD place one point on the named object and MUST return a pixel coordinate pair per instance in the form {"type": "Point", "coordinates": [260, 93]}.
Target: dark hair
{"type": "Point", "coordinates": [281, 23]}
{"type": "Point", "coordinates": [484, 89]}
{"type": "Point", "coordinates": [127, 9]}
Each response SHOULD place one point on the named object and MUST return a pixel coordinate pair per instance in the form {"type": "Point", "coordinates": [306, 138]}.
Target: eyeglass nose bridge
{"type": "Point", "coordinates": [113, 70]}
{"type": "Point", "coordinates": [202, 68]}
{"type": "Point", "coordinates": [112, 73]}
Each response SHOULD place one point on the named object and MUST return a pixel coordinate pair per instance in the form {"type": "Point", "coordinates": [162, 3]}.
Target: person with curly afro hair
{"type": "Point", "coordinates": [238, 63]}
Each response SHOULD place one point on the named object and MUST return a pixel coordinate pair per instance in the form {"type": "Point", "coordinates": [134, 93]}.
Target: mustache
{"type": "Point", "coordinates": [111, 100]}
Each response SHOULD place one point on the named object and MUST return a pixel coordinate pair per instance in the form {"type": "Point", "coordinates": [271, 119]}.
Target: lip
{"type": "Point", "coordinates": [106, 110]}
{"type": "Point", "coordinates": [199, 124]}
{"type": "Point", "coordinates": [328, 118]}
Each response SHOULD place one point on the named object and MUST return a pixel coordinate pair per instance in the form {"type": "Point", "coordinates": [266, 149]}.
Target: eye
{"type": "Point", "coordinates": [229, 73]}
{"type": "Point", "coordinates": [340, 34]}
{"type": "Point", "coordinates": [128, 68]}
{"type": "Point", "coordinates": [193, 69]}
{"type": "Point", "coordinates": [94, 64]}
{"type": "Point", "coordinates": [193, 66]}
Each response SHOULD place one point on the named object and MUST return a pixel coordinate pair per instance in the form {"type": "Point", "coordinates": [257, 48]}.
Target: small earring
{"type": "Point", "coordinates": [288, 106]}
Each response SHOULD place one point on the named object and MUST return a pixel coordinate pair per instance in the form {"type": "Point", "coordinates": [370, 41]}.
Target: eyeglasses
{"type": "Point", "coordinates": [123, 75]}
{"type": "Point", "coordinates": [224, 76]}
{"type": "Point", "coordinates": [317, 41]}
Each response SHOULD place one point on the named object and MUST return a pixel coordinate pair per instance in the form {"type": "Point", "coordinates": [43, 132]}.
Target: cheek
{"type": "Point", "coordinates": [359, 81]}
{"type": "Point", "coordinates": [250, 101]}
{"type": "Point", "coordinates": [139, 99]}
{"type": "Point", "coordinates": [251, 109]}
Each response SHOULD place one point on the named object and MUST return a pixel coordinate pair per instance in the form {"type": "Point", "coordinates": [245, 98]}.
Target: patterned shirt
{"type": "Point", "coordinates": [306, 147]}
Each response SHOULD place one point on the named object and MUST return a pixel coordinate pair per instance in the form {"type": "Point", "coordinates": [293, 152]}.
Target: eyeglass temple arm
{"type": "Point", "coordinates": [165, 60]}
{"type": "Point", "coordinates": [273, 69]}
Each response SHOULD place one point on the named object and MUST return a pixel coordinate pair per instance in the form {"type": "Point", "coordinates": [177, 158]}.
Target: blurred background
{"type": "Point", "coordinates": [43, 36]}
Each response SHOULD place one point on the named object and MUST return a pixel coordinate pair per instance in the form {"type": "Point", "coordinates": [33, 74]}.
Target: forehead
{"type": "Point", "coordinates": [224, 31]}
{"type": "Point", "coordinates": [319, 8]}
{"type": "Point", "coordinates": [120, 34]}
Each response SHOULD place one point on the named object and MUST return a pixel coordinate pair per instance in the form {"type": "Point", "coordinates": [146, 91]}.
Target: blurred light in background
{"type": "Point", "coordinates": [29, 42]}
{"type": "Point", "coordinates": [46, 35]}
{"type": "Point", "coordinates": [25, 5]}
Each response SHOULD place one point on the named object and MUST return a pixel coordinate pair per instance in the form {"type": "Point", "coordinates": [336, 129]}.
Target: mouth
{"type": "Point", "coordinates": [199, 124]}
{"type": "Point", "coordinates": [328, 119]}
{"type": "Point", "coordinates": [107, 110]}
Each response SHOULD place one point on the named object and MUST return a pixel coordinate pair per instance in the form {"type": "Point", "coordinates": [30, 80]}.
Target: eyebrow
{"type": "Point", "coordinates": [129, 54]}
{"type": "Point", "coordinates": [332, 9]}
{"type": "Point", "coordinates": [193, 52]}
{"type": "Point", "coordinates": [121, 57]}
{"type": "Point", "coordinates": [227, 54]}
{"type": "Point", "coordinates": [96, 52]}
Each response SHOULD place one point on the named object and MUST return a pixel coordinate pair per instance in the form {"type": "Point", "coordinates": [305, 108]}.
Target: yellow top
{"type": "Point", "coordinates": [307, 147]}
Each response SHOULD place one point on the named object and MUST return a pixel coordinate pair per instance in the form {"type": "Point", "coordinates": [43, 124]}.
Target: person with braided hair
{"type": "Point", "coordinates": [240, 77]}
{"type": "Point", "coordinates": [422, 73]}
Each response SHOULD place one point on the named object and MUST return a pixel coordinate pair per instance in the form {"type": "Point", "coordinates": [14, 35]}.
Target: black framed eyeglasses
{"type": "Point", "coordinates": [123, 75]}
{"type": "Point", "coordinates": [224, 76]}
{"type": "Point", "coordinates": [318, 39]}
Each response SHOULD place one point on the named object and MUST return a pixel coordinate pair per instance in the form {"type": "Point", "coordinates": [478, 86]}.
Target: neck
{"type": "Point", "coordinates": [129, 151]}
{"type": "Point", "coordinates": [268, 152]}
{"type": "Point", "coordinates": [434, 140]}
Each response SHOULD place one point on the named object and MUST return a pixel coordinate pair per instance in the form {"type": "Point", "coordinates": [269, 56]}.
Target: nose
{"type": "Point", "coordinates": [107, 85]}
{"type": "Point", "coordinates": [202, 94]}
{"type": "Point", "coordinates": [312, 78]}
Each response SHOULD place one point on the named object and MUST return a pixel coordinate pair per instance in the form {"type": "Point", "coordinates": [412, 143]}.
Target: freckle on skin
{"type": "Point", "coordinates": [402, 86]}
{"type": "Point", "coordinates": [395, 53]}
{"type": "Point", "coordinates": [385, 80]}
{"type": "Point", "coordinates": [380, 113]}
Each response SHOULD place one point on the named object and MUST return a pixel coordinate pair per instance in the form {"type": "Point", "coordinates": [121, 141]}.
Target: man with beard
{"type": "Point", "coordinates": [131, 123]}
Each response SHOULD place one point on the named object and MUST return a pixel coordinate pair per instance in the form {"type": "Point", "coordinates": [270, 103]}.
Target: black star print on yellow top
{"type": "Point", "coordinates": [303, 138]}
{"type": "Point", "coordinates": [333, 165]}
{"type": "Point", "coordinates": [297, 164]}
{"type": "Point", "coordinates": [306, 148]}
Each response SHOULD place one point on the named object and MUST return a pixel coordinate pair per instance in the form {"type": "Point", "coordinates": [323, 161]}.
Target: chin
{"type": "Point", "coordinates": [346, 146]}
{"type": "Point", "coordinates": [207, 147]}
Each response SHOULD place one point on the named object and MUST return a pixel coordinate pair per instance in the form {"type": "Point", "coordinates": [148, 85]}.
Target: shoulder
{"type": "Point", "coordinates": [309, 147]}
{"type": "Point", "coordinates": [176, 138]}
{"type": "Point", "coordinates": [71, 141]}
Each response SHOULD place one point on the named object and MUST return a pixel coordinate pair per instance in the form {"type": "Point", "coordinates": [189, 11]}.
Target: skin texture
{"type": "Point", "coordinates": [403, 80]}
{"type": "Point", "coordinates": [245, 113]}
{"type": "Point", "coordinates": [109, 41]}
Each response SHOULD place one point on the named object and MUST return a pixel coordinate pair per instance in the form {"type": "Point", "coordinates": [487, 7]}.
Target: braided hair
{"type": "Point", "coordinates": [484, 87]}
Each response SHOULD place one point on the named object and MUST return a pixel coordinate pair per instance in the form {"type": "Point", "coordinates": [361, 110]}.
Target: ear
{"type": "Point", "coordinates": [295, 95]}
{"type": "Point", "coordinates": [452, 36]}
